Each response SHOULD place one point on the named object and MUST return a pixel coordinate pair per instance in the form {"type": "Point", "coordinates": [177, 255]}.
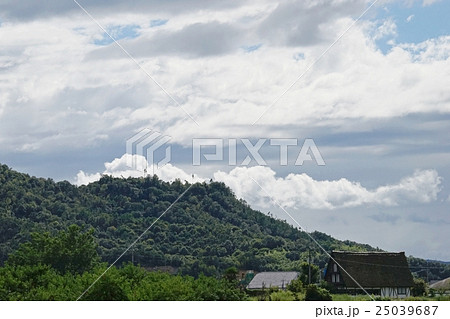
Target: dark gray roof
{"type": "Point", "coordinates": [278, 279]}
{"type": "Point", "coordinates": [372, 269]}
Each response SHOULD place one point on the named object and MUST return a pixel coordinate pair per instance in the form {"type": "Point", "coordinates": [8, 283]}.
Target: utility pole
{"type": "Point", "coordinates": [309, 265]}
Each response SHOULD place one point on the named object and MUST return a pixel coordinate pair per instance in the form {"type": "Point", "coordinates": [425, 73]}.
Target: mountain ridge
{"type": "Point", "coordinates": [206, 231]}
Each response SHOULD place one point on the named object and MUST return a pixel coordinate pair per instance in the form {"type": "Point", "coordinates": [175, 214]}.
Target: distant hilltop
{"type": "Point", "coordinates": [206, 231]}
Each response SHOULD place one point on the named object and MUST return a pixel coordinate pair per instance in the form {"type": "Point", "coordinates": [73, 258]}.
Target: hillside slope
{"type": "Point", "coordinates": [206, 231]}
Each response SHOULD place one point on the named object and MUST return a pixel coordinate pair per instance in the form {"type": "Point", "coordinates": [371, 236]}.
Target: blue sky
{"type": "Point", "coordinates": [415, 22]}
{"type": "Point", "coordinates": [376, 103]}
{"type": "Point", "coordinates": [118, 33]}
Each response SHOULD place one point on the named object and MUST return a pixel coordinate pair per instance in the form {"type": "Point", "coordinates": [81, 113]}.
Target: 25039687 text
{"type": "Point", "coordinates": [406, 310]}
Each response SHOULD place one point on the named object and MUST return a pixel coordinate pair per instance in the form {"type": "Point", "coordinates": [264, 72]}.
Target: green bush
{"type": "Point", "coordinates": [327, 286]}
{"type": "Point", "coordinates": [347, 297]}
{"type": "Point", "coordinates": [295, 285]}
{"type": "Point", "coordinates": [314, 293]}
{"type": "Point", "coordinates": [379, 298]}
{"type": "Point", "coordinates": [282, 296]}
{"type": "Point", "coordinates": [420, 288]}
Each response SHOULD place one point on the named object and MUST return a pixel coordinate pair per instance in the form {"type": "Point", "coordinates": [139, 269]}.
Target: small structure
{"type": "Point", "coordinates": [441, 286]}
{"type": "Point", "coordinates": [244, 277]}
{"type": "Point", "coordinates": [379, 273]}
{"type": "Point", "coordinates": [272, 279]}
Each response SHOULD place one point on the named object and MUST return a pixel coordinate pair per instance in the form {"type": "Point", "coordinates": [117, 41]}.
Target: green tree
{"type": "Point", "coordinates": [36, 282]}
{"type": "Point", "coordinates": [210, 288]}
{"type": "Point", "coordinates": [314, 293]}
{"type": "Point", "coordinates": [304, 273]}
{"type": "Point", "coordinates": [295, 286]}
{"type": "Point", "coordinates": [163, 286]}
{"type": "Point", "coordinates": [112, 286]}
{"type": "Point", "coordinates": [71, 251]}
{"type": "Point", "coordinates": [230, 274]}
{"type": "Point", "coordinates": [420, 287]}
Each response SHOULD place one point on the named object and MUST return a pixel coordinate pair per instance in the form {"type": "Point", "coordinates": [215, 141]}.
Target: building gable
{"type": "Point", "coordinates": [369, 269]}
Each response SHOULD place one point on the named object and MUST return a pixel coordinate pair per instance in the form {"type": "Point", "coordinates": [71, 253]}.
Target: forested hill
{"type": "Point", "coordinates": [206, 231]}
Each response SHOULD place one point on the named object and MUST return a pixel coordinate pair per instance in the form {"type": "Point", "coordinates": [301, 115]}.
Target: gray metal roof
{"type": "Point", "coordinates": [278, 279]}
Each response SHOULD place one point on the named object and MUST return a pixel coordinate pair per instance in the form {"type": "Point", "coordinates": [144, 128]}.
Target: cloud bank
{"type": "Point", "coordinates": [302, 191]}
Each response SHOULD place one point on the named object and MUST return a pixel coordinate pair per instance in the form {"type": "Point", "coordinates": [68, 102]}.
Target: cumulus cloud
{"type": "Point", "coordinates": [387, 28]}
{"type": "Point", "coordinates": [302, 191]}
{"type": "Point", "coordinates": [192, 41]}
{"type": "Point", "coordinates": [304, 23]}
{"type": "Point", "coordinates": [84, 178]}
{"type": "Point", "coordinates": [30, 9]}
{"type": "Point", "coordinates": [136, 166]}
{"type": "Point", "coordinates": [64, 90]}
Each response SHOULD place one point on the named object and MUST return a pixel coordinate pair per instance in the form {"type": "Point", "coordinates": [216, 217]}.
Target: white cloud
{"type": "Point", "coordinates": [61, 95]}
{"type": "Point", "coordinates": [84, 178]}
{"type": "Point", "coordinates": [31, 10]}
{"type": "Point", "coordinates": [422, 187]}
{"type": "Point", "coordinates": [429, 51]}
{"type": "Point", "coordinates": [387, 28]}
{"type": "Point", "coordinates": [409, 18]}
{"type": "Point", "coordinates": [300, 190]}
{"type": "Point", "coordinates": [119, 167]}
{"type": "Point", "coordinates": [4, 99]}
{"type": "Point", "coordinates": [429, 2]}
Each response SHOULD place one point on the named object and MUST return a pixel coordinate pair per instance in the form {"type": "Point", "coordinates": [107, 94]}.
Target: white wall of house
{"type": "Point", "coordinates": [396, 292]}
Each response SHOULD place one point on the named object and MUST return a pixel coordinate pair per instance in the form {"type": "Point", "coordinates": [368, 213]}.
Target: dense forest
{"type": "Point", "coordinates": [205, 232]}
{"type": "Point", "coordinates": [66, 266]}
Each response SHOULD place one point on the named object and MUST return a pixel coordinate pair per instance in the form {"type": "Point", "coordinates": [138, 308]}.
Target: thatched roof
{"type": "Point", "coordinates": [372, 269]}
{"type": "Point", "coordinates": [441, 284]}
{"type": "Point", "coordinates": [278, 279]}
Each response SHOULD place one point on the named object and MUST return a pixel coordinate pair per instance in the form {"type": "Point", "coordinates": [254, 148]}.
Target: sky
{"type": "Point", "coordinates": [277, 86]}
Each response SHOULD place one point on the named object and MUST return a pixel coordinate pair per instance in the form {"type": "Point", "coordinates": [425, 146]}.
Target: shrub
{"type": "Point", "coordinates": [327, 286]}
{"type": "Point", "coordinates": [295, 285]}
{"type": "Point", "coordinates": [282, 296]}
{"type": "Point", "coordinates": [314, 293]}
{"type": "Point", "coordinates": [420, 287]}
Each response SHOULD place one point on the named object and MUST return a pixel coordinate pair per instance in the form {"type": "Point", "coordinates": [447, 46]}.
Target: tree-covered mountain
{"type": "Point", "coordinates": [206, 231]}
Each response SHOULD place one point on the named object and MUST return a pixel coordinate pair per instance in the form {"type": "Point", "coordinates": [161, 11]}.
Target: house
{"type": "Point", "coordinates": [379, 273]}
{"type": "Point", "coordinates": [245, 276]}
{"type": "Point", "coordinates": [272, 279]}
{"type": "Point", "coordinates": [441, 285]}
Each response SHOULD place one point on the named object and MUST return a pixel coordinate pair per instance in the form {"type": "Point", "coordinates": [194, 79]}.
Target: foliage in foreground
{"type": "Point", "coordinates": [314, 293]}
{"type": "Point", "coordinates": [420, 288]}
{"type": "Point", "coordinates": [32, 274]}
{"type": "Point", "coordinates": [41, 282]}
